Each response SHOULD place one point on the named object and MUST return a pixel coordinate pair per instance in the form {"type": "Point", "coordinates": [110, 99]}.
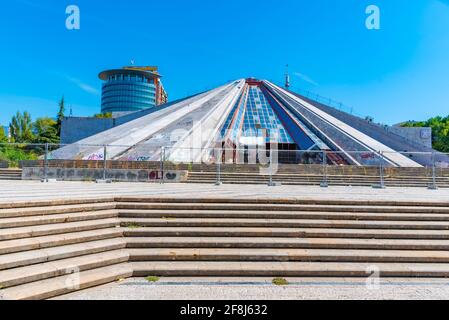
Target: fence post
{"type": "Point", "coordinates": [105, 155]}
{"type": "Point", "coordinates": [381, 169]}
{"type": "Point", "coordinates": [271, 183]}
{"type": "Point", "coordinates": [46, 164]}
{"type": "Point", "coordinates": [219, 159]}
{"type": "Point", "coordinates": [162, 164]}
{"type": "Point", "coordinates": [434, 185]}
{"type": "Point", "coordinates": [325, 182]}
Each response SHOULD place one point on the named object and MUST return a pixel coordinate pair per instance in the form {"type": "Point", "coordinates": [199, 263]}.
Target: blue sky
{"type": "Point", "coordinates": [398, 73]}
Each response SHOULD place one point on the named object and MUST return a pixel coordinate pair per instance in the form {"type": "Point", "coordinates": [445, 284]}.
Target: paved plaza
{"type": "Point", "coordinates": [18, 191]}
{"type": "Point", "coordinates": [262, 289]}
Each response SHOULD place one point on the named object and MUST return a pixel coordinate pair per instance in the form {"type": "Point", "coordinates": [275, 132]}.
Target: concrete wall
{"type": "Point", "coordinates": [118, 175]}
{"type": "Point", "coordinates": [422, 136]}
{"type": "Point", "coordinates": [74, 129]}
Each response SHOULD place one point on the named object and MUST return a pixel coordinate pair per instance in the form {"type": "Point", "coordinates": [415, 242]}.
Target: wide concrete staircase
{"type": "Point", "coordinates": [52, 248]}
{"type": "Point", "coordinates": [57, 247]}
{"type": "Point", "coordinates": [10, 174]}
{"type": "Point", "coordinates": [316, 179]}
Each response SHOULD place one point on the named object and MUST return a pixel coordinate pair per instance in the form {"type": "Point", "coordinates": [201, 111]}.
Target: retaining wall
{"type": "Point", "coordinates": [118, 175]}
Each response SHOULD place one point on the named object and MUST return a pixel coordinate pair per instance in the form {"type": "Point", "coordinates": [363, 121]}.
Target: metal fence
{"type": "Point", "coordinates": [258, 165]}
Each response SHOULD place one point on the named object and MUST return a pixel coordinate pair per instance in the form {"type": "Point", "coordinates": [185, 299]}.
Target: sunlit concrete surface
{"type": "Point", "coordinates": [263, 289]}
{"type": "Point", "coordinates": [19, 191]}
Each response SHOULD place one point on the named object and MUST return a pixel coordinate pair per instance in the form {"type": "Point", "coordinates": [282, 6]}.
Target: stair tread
{"type": "Point", "coordinates": [196, 253]}
{"type": "Point", "coordinates": [287, 175]}
{"type": "Point", "coordinates": [441, 225]}
{"type": "Point", "coordinates": [279, 207]}
{"type": "Point", "coordinates": [284, 242]}
{"type": "Point", "coordinates": [49, 288]}
{"type": "Point", "coordinates": [32, 231]}
{"type": "Point", "coordinates": [11, 246]}
{"type": "Point", "coordinates": [127, 213]}
{"type": "Point", "coordinates": [282, 201]}
{"type": "Point", "coordinates": [21, 275]}
{"type": "Point", "coordinates": [19, 259]}
{"type": "Point", "coordinates": [290, 232]}
{"type": "Point", "coordinates": [56, 218]}
{"type": "Point", "coordinates": [29, 204]}
{"type": "Point", "coordinates": [280, 268]}
{"type": "Point", "coordinates": [50, 210]}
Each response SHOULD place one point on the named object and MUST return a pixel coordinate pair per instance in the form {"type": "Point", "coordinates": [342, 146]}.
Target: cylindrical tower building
{"type": "Point", "coordinates": [129, 89]}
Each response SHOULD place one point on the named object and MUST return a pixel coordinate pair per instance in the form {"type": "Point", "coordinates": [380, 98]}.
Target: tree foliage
{"type": "Point", "coordinates": [106, 115]}
{"type": "Point", "coordinates": [45, 131]}
{"type": "Point", "coordinates": [440, 129]}
{"type": "Point", "coordinates": [21, 128]}
{"type": "Point", "coordinates": [60, 115]}
{"type": "Point", "coordinates": [3, 137]}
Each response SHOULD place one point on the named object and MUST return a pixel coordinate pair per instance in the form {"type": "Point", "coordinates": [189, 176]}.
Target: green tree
{"type": "Point", "coordinates": [440, 130]}
{"type": "Point", "coordinates": [60, 115]}
{"type": "Point", "coordinates": [106, 115]}
{"type": "Point", "coordinates": [21, 128]}
{"type": "Point", "coordinates": [3, 137]}
{"type": "Point", "coordinates": [45, 131]}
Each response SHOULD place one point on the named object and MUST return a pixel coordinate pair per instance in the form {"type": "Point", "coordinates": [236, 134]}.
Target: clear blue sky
{"type": "Point", "coordinates": [398, 73]}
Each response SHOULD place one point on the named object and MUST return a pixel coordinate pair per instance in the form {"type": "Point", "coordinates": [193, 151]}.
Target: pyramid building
{"type": "Point", "coordinates": [245, 114]}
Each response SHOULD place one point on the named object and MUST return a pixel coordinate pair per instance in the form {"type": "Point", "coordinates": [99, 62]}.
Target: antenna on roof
{"type": "Point", "coordinates": [133, 62]}
{"type": "Point", "coordinates": [287, 78]}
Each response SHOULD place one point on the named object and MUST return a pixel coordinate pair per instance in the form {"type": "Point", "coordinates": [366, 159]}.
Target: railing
{"type": "Point", "coordinates": [324, 100]}
{"type": "Point", "coordinates": [144, 163]}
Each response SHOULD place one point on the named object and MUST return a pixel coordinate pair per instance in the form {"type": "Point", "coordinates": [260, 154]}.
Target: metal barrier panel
{"type": "Point", "coordinates": [260, 164]}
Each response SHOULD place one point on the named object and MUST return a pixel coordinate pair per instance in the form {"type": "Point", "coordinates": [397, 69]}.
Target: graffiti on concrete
{"type": "Point", "coordinates": [119, 175]}
{"type": "Point", "coordinates": [95, 157]}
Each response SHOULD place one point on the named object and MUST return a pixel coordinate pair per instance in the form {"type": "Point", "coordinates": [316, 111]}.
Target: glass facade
{"type": "Point", "coordinates": [127, 92]}
{"type": "Point", "coordinates": [260, 117]}
{"type": "Point", "coordinates": [253, 118]}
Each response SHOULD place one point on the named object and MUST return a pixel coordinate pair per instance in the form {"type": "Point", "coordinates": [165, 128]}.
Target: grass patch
{"type": "Point", "coordinates": [131, 225]}
{"type": "Point", "coordinates": [280, 282]}
{"type": "Point", "coordinates": [152, 279]}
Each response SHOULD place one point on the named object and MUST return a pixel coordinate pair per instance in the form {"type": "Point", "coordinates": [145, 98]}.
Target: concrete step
{"type": "Point", "coordinates": [283, 223]}
{"type": "Point", "coordinates": [243, 176]}
{"type": "Point", "coordinates": [129, 213]}
{"type": "Point", "coordinates": [51, 210]}
{"type": "Point", "coordinates": [9, 177]}
{"type": "Point", "coordinates": [286, 243]}
{"type": "Point", "coordinates": [61, 285]}
{"type": "Point", "coordinates": [121, 206]}
{"type": "Point", "coordinates": [288, 269]}
{"type": "Point", "coordinates": [24, 258]}
{"type": "Point", "coordinates": [37, 272]}
{"type": "Point", "coordinates": [55, 202]}
{"type": "Point", "coordinates": [330, 183]}
{"type": "Point", "coordinates": [317, 179]}
{"type": "Point", "coordinates": [59, 228]}
{"type": "Point", "coordinates": [56, 218]}
{"type": "Point", "coordinates": [292, 175]}
{"type": "Point", "coordinates": [285, 233]}
{"type": "Point", "coordinates": [43, 242]}
{"type": "Point", "coordinates": [281, 201]}
{"type": "Point", "coordinates": [308, 255]}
